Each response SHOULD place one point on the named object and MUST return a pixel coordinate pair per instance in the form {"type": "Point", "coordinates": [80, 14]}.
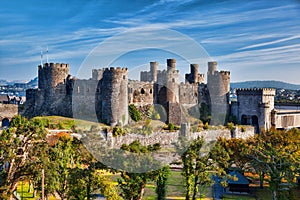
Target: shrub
{"type": "Point", "coordinates": [134, 113]}
{"type": "Point", "coordinates": [171, 127]}
{"type": "Point", "coordinates": [230, 126]}
{"type": "Point", "coordinates": [118, 131]}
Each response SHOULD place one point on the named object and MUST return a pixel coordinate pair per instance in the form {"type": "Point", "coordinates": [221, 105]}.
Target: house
{"type": "Point", "coordinates": [238, 183]}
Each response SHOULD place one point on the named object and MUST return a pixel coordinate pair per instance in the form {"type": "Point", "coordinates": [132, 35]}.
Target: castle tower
{"type": "Point", "coordinates": [97, 74]}
{"type": "Point", "coordinates": [171, 64]}
{"type": "Point", "coordinates": [112, 106]}
{"type": "Point", "coordinates": [50, 75]}
{"type": "Point", "coordinates": [194, 76]}
{"type": "Point", "coordinates": [212, 68]}
{"type": "Point", "coordinates": [172, 81]}
{"type": "Point", "coordinates": [153, 71]}
{"type": "Point", "coordinates": [218, 84]}
{"type": "Point", "coordinates": [172, 104]}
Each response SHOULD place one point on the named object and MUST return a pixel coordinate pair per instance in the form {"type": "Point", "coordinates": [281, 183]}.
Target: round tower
{"type": "Point", "coordinates": [172, 81]}
{"type": "Point", "coordinates": [50, 75]}
{"type": "Point", "coordinates": [212, 67]}
{"type": "Point", "coordinates": [171, 64]}
{"type": "Point", "coordinates": [114, 96]}
{"type": "Point", "coordinates": [194, 72]}
{"type": "Point", "coordinates": [153, 70]}
{"type": "Point", "coordinates": [59, 72]}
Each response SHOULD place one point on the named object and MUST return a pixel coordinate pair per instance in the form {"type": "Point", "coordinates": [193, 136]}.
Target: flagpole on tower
{"type": "Point", "coordinates": [42, 58]}
{"type": "Point", "coordinates": [47, 54]}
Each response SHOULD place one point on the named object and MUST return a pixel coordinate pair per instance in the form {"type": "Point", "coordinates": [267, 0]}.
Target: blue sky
{"type": "Point", "coordinates": [255, 40]}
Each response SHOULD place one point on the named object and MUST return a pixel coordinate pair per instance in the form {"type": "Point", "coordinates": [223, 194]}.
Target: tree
{"type": "Point", "coordinates": [277, 154]}
{"type": "Point", "coordinates": [84, 181]}
{"type": "Point", "coordinates": [23, 150]}
{"type": "Point", "coordinates": [196, 165]}
{"type": "Point", "coordinates": [161, 183]}
{"type": "Point", "coordinates": [133, 183]}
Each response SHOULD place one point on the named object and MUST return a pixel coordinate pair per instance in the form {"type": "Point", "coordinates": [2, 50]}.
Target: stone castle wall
{"type": "Point", "coordinates": [168, 138]}
{"type": "Point", "coordinates": [255, 107]}
{"type": "Point", "coordinates": [8, 110]}
{"type": "Point", "coordinates": [188, 93]}
{"type": "Point", "coordinates": [140, 93]}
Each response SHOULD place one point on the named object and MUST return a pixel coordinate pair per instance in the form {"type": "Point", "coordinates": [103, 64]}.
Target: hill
{"type": "Point", "coordinates": [263, 84]}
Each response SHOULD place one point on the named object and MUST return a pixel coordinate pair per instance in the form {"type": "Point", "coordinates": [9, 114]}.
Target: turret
{"type": "Point", "coordinates": [212, 67]}
{"type": "Point", "coordinates": [194, 76]}
{"type": "Point", "coordinates": [153, 71]}
{"type": "Point", "coordinates": [172, 81]}
{"type": "Point", "coordinates": [171, 64]}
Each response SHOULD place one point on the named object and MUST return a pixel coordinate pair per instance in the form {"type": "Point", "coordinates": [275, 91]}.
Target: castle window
{"type": "Point", "coordinates": [142, 91]}
{"type": "Point", "coordinates": [173, 80]}
{"type": "Point", "coordinates": [124, 77]}
{"type": "Point", "coordinates": [150, 91]}
{"type": "Point", "coordinates": [196, 94]}
{"type": "Point", "coordinates": [78, 90]}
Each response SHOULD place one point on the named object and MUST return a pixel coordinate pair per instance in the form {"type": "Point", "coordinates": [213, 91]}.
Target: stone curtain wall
{"type": "Point", "coordinates": [167, 138]}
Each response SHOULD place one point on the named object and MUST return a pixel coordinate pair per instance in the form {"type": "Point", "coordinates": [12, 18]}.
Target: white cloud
{"type": "Point", "coordinates": [270, 43]}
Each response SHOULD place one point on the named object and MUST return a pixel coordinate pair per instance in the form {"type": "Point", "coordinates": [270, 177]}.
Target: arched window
{"type": "Point", "coordinates": [142, 91]}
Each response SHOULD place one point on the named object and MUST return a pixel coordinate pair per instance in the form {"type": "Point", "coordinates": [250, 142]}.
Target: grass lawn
{"type": "Point", "coordinates": [237, 197]}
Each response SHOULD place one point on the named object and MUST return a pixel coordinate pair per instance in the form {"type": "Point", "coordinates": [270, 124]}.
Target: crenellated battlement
{"type": "Point", "coordinates": [225, 73]}
{"type": "Point", "coordinates": [116, 69]}
{"type": "Point", "coordinates": [54, 66]}
{"type": "Point", "coordinates": [256, 91]}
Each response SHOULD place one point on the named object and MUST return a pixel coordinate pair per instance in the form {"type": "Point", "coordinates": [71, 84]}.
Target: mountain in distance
{"type": "Point", "coordinates": [8, 82]}
{"type": "Point", "coordinates": [265, 84]}
{"type": "Point", "coordinates": [30, 84]}
{"type": "Point", "coordinates": [33, 83]}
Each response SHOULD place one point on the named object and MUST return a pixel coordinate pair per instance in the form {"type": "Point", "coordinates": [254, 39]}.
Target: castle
{"type": "Point", "coordinates": [105, 97]}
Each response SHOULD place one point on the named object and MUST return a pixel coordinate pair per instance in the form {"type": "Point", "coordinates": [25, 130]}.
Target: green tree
{"type": "Point", "coordinates": [196, 165]}
{"type": "Point", "coordinates": [132, 184]}
{"type": "Point", "coordinates": [161, 183]}
{"type": "Point", "coordinates": [22, 150]}
{"type": "Point", "coordinates": [134, 113]}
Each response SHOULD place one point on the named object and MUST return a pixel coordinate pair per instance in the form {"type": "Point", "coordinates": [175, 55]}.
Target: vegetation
{"type": "Point", "coordinates": [118, 131]}
{"type": "Point", "coordinates": [71, 172]}
{"type": "Point", "coordinates": [132, 184]}
{"type": "Point", "coordinates": [196, 167]}
{"type": "Point", "coordinates": [134, 113]}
